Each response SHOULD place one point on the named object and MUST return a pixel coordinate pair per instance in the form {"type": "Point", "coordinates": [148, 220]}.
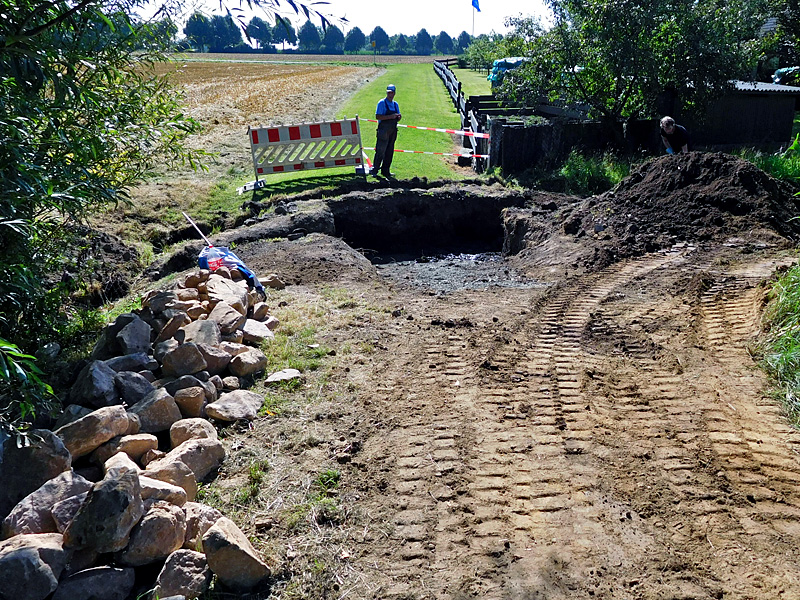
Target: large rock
{"type": "Point", "coordinates": [202, 332]}
{"type": "Point", "coordinates": [199, 519]}
{"type": "Point", "coordinates": [132, 445]}
{"type": "Point", "coordinates": [185, 573]}
{"type": "Point", "coordinates": [25, 467]}
{"type": "Point", "coordinates": [95, 386]}
{"type": "Point", "coordinates": [191, 401]}
{"type": "Point", "coordinates": [247, 363]}
{"type": "Point", "coordinates": [284, 375]}
{"type": "Point", "coordinates": [157, 301]}
{"type": "Point", "coordinates": [260, 311]}
{"type": "Point", "coordinates": [191, 429]}
{"type": "Point", "coordinates": [30, 566]}
{"type": "Point", "coordinates": [155, 489]}
{"type": "Point", "coordinates": [72, 412]}
{"type": "Point", "coordinates": [256, 332]}
{"type": "Point", "coordinates": [111, 510]}
{"type": "Point", "coordinates": [186, 359]}
{"type": "Point", "coordinates": [217, 359]}
{"type": "Point", "coordinates": [132, 387]}
{"type": "Point", "coordinates": [227, 318]}
{"type": "Point", "coordinates": [99, 583]}
{"type": "Point", "coordinates": [157, 411]}
{"type": "Point", "coordinates": [87, 433]}
{"type": "Point", "coordinates": [138, 361]}
{"type": "Point", "coordinates": [170, 329]}
{"type": "Point", "coordinates": [134, 337]}
{"type": "Point", "coordinates": [120, 460]}
{"type": "Point", "coordinates": [231, 556]}
{"type": "Point", "coordinates": [33, 514]}
{"type": "Point", "coordinates": [64, 511]}
{"type": "Point", "coordinates": [224, 290]}
{"type": "Point", "coordinates": [107, 345]}
{"type": "Point", "coordinates": [235, 406]}
{"type": "Point", "coordinates": [176, 473]}
{"type": "Point", "coordinates": [202, 456]}
{"type": "Point", "coordinates": [160, 532]}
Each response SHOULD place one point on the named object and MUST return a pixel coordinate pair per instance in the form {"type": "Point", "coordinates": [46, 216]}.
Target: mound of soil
{"type": "Point", "coordinates": [691, 197]}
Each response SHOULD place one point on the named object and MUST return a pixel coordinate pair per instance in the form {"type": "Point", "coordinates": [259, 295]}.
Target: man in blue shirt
{"type": "Point", "coordinates": [388, 114]}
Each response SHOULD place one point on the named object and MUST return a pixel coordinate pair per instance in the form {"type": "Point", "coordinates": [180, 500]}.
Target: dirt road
{"type": "Point", "coordinates": [607, 438]}
{"type": "Point", "coordinates": [599, 436]}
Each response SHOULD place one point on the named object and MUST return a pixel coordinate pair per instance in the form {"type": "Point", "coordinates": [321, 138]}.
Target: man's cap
{"type": "Point", "coordinates": [390, 88]}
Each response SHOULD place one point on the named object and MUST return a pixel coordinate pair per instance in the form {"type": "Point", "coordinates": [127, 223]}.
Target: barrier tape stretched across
{"type": "Point", "coordinates": [436, 153]}
{"type": "Point", "coordinates": [454, 131]}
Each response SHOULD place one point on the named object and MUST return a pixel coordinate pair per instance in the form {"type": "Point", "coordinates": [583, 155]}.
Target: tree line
{"type": "Point", "coordinates": [221, 33]}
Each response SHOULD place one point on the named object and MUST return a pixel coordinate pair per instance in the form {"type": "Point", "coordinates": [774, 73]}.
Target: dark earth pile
{"type": "Point", "coordinates": [693, 197]}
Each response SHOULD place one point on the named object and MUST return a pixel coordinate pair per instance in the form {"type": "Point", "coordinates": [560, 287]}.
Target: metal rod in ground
{"type": "Point", "coordinates": [193, 224]}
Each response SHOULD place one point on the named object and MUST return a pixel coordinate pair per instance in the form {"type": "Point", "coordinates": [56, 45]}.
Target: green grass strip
{"type": "Point", "coordinates": [424, 102]}
{"type": "Point", "coordinates": [780, 351]}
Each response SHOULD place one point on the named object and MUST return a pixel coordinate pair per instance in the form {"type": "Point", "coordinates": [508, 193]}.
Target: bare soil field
{"type": "Point", "coordinates": [580, 417]}
{"type": "Point", "coordinates": [380, 59]}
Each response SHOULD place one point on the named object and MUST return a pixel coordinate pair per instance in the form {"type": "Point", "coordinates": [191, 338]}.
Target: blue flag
{"type": "Point", "coordinates": [475, 4]}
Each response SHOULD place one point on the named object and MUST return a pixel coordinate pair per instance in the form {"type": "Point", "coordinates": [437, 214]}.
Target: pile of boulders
{"type": "Point", "coordinates": [93, 508]}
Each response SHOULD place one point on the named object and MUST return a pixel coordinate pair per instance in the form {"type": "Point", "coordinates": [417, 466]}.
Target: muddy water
{"type": "Point", "coordinates": [453, 272]}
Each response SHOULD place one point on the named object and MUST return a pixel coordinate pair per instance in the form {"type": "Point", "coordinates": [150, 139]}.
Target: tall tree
{"type": "Point", "coordinates": [381, 39]}
{"type": "Point", "coordinates": [84, 115]}
{"type": "Point", "coordinates": [424, 43]}
{"type": "Point", "coordinates": [309, 37]}
{"type": "Point", "coordinates": [464, 40]}
{"type": "Point", "coordinates": [283, 32]}
{"type": "Point", "coordinates": [226, 33]}
{"type": "Point", "coordinates": [333, 40]}
{"type": "Point", "coordinates": [400, 44]}
{"type": "Point", "coordinates": [355, 40]}
{"type": "Point", "coordinates": [694, 47]}
{"type": "Point", "coordinates": [444, 43]}
{"type": "Point", "coordinates": [199, 32]}
{"type": "Point", "coordinates": [260, 31]}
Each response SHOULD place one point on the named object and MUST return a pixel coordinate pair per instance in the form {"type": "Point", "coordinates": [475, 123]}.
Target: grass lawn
{"type": "Point", "coordinates": [473, 83]}
{"type": "Point", "coordinates": [423, 101]}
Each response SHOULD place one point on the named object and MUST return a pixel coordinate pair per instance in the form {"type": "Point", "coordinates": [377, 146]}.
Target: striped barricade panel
{"type": "Point", "coordinates": [306, 147]}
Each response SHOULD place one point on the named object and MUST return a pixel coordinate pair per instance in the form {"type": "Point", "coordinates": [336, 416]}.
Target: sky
{"type": "Point", "coordinates": [452, 16]}
{"type": "Point", "coordinates": [409, 16]}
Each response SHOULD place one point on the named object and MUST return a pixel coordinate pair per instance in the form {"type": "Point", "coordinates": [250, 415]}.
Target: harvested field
{"type": "Point", "coordinates": [368, 59]}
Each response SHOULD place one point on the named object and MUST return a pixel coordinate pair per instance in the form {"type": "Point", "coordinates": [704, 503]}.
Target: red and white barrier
{"type": "Point", "coordinates": [436, 153]}
{"type": "Point", "coordinates": [304, 147]}
{"type": "Point", "coordinates": [453, 131]}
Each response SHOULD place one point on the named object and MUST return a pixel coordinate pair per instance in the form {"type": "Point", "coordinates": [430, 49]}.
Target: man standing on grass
{"type": "Point", "coordinates": [387, 114]}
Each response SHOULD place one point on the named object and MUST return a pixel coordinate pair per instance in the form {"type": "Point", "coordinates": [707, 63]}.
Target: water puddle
{"type": "Point", "coordinates": [453, 272]}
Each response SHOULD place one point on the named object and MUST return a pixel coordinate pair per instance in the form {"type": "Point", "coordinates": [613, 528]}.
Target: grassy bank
{"type": "Point", "coordinates": [780, 351]}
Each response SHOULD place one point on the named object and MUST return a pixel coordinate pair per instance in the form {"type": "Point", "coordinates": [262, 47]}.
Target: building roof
{"type": "Point", "coordinates": [759, 87]}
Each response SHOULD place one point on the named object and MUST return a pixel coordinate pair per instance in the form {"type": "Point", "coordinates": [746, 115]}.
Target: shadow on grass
{"type": "Point", "coordinates": [296, 186]}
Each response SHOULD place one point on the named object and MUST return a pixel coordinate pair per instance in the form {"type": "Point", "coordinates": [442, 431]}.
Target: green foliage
{"type": "Point", "coordinates": [355, 40]}
{"type": "Point", "coordinates": [23, 392]}
{"type": "Point", "coordinates": [424, 42]}
{"type": "Point", "coordinates": [380, 38]}
{"type": "Point", "coordinates": [692, 48]}
{"type": "Point", "coordinates": [780, 351]}
{"type": "Point", "coordinates": [592, 174]}
{"type": "Point", "coordinates": [82, 118]}
{"type": "Point", "coordinates": [784, 166]}
{"type": "Point", "coordinates": [308, 37]}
